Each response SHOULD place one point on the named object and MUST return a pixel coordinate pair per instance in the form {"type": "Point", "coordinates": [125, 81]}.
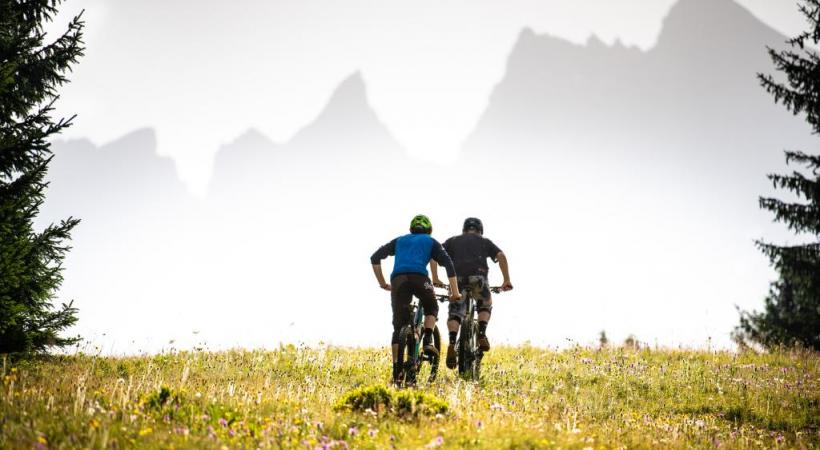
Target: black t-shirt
{"type": "Point", "coordinates": [469, 252]}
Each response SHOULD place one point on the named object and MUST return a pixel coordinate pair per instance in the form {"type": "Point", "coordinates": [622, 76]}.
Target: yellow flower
{"type": "Point", "coordinates": [94, 424]}
{"type": "Point", "coordinates": [42, 440]}
{"type": "Point", "coordinates": [145, 431]}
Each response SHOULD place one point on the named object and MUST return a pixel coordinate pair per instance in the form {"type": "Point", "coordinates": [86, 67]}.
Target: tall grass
{"type": "Point", "coordinates": [529, 398]}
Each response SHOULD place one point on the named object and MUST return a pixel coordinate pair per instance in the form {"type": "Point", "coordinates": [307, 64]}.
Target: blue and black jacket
{"type": "Point", "coordinates": [413, 252]}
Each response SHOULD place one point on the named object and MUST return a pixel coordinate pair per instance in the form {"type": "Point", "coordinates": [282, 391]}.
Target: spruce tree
{"type": "Point", "coordinates": [31, 260]}
{"type": "Point", "coordinates": [791, 314]}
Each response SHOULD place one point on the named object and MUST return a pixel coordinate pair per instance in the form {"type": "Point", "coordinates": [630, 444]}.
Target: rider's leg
{"type": "Point", "coordinates": [483, 317]}
{"type": "Point", "coordinates": [429, 324]}
{"type": "Point", "coordinates": [452, 328]}
{"type": "Point", "coordinates": [427, 298]}
{"type": "Point", "coordinates": [485, 310]}
{"type": "Point", "coordinates": [456, 313]}
{"type": "Point", "coordinates": [400, 298]}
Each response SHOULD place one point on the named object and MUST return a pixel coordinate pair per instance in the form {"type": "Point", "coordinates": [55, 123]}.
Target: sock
{"type": "Point", "coordinates": [482, 328]}
{"type": "Point", "coordinates": [428, 336]}
{"type": "Point", "coordinates": [453, 335]}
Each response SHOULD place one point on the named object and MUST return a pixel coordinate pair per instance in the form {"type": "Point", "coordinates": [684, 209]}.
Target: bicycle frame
{"type": "Point", "coordinates": [414, 356]}
{"type": "Point", "coordinates": [469, 355]}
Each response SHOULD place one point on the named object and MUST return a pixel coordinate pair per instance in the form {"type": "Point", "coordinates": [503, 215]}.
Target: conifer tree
{"type": "Point", "coordinates": [791, 314]}
{"type": "Point", "coordinates": [31, 70]}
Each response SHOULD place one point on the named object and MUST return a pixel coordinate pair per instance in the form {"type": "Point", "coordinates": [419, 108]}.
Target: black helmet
{"type": "Point", "coordinates": [473, 223]}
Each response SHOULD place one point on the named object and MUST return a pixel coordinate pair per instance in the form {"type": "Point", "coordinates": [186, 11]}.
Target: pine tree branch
{"type": "Point", "coordinates": [799, 184]}
{"type": "Point", "coordinates": [798, 217]}
{"type": "Point", "coordinates": [806, 256]}
{"type": "Point", "coordinates": [811, 161]}
{"type": "Point", "coordinates": [811, 10]}
{"type": "Point", "coordinates": [24, 144]}
{"type": "Point", "coordinates": [43, 71]}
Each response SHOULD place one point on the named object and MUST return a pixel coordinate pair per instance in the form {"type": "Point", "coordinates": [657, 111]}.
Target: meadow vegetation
{"type": "Point", "coordinates": [327, 397]}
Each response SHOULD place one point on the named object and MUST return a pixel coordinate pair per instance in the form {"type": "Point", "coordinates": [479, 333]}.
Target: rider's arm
{"type": "Point", "coordinates": [377, 270]}
{"type": "Point", "coordinates": [505, 270]}
{"type": "Point", "coordinates": [441, 257]}
{"type": "Point", "coordinates": [376, 261]}
{"type": "Point", "coordinates": [434, 272]}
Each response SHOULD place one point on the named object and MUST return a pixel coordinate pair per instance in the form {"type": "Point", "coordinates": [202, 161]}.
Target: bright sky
{"type": "Point", "coordinates": [202, 72]}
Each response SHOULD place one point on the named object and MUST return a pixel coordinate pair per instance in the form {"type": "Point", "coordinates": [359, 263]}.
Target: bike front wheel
{"type": "Point", "coordinates": [468, 353]}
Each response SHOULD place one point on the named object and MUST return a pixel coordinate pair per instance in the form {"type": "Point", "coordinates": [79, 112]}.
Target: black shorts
{"type": "Point", "coordinates": [403, 288]}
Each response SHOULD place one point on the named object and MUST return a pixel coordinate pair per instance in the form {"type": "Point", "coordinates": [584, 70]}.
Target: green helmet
{"type": "Point", "coordinates": [421, 224]}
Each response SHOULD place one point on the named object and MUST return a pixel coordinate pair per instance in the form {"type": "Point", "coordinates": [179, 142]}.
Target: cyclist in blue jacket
{"type": "Point", "coordinates": [409, 277]}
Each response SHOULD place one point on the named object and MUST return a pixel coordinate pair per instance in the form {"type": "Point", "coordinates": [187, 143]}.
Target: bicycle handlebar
{"type": "Point", "coordinates": [493, 289]}
{"type": "Point", "coordinates": [442, 298]}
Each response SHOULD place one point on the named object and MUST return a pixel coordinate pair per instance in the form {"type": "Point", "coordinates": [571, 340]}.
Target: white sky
{"type": "Point", "coordinates": [203, 72]}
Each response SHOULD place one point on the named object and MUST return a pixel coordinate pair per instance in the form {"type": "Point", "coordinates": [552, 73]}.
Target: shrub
{"type": "Point", "coordinates": [380, 399]}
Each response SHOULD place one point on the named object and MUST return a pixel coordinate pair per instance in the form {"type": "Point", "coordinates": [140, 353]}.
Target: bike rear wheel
{"type": "Point", "coordinates": [412, 358]}
{"type": "Point", "coordinates": [406, 356]}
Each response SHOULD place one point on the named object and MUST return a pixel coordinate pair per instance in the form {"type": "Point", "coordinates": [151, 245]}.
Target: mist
{"type": "Point", "coordinates": [621, 179]}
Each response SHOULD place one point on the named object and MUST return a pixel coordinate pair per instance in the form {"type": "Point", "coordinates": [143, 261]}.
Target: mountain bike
{"type": "Point", "coordinates": [410, 347]}
{"type": "Point", "coordinates": [467, 352]}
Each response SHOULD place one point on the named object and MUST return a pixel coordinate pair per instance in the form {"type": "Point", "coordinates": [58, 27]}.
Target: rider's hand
{"type": "Point", "coordinates": [385, 286]}
{"type": "Point", "coordinates": [455, 296]}
{"type": "Point", "coordinates": [506, 286]}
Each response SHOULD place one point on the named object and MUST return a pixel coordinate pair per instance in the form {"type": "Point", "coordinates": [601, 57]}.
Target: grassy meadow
{"type": "Point", "coordinates": [580, 398]}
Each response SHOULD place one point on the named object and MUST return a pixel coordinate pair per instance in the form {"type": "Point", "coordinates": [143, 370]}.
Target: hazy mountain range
{"type": "Point", "coordinates": [639, 147]}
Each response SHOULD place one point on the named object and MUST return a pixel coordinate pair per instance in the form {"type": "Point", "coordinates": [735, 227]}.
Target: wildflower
{"type": "Point", "coordinates": [145, 431]}
{"type": "Point", "coordinates": [231, 432]}
{"type": "Point", "coordinates": [437, 442]}
{"type": "Point", "coordinates": [372, 432]}
{"type": "Point", "coordinates": [479, 424]}
{"type": "Point", "coordinates": [223, 422]}
{"type": "Point", "coordinates": [353, 431]}
{"type": "Point", "coordinates": [700, 423]}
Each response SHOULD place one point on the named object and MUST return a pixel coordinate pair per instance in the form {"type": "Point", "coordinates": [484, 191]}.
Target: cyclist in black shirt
{"type": "Point", "coordinates": [469, 252]}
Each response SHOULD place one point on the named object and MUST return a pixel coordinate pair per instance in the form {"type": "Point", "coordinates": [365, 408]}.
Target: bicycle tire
{"type": "Point", "coordinates": [433, 360]}
{"type": "Point", "coordinates": [406, 355]}
{"type": "Point", "coordinates": [466, 350]}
